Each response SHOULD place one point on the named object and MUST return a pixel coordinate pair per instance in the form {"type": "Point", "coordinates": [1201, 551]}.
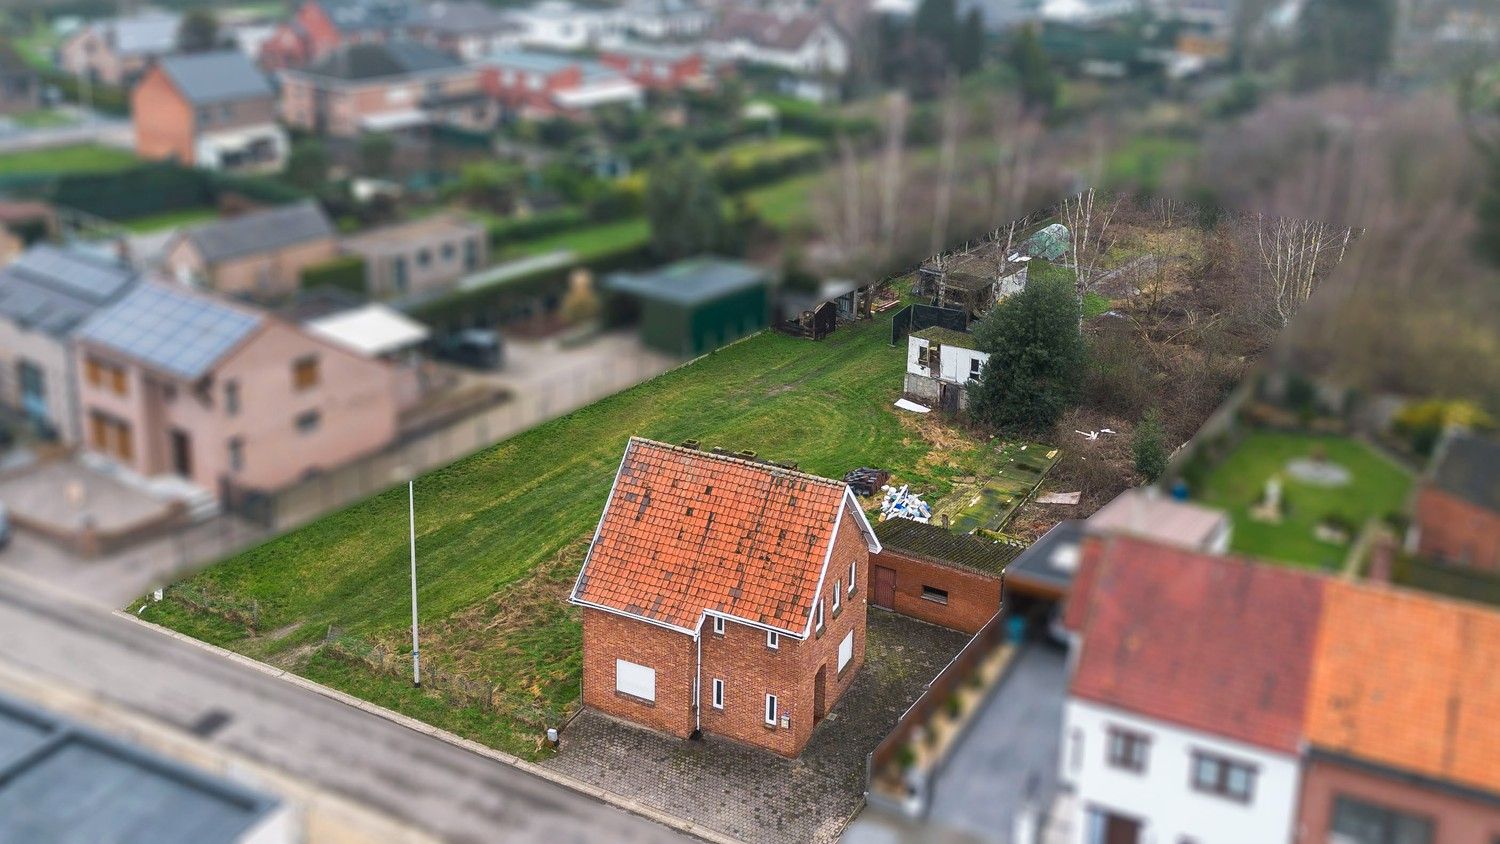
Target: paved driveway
{"type": "Point", "coordinates": [1008, 758]}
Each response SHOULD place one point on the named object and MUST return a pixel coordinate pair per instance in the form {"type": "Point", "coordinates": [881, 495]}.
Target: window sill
{"type": "Point", "coordinates": [837, 611]}
{"type": "Point", "coordinates": [633, 699]}
{"type": "Point", "coordinates": [938, 601]}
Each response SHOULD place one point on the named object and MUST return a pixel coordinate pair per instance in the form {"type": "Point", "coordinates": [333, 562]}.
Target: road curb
{"type": "Point", "coordinates": [627, 804]}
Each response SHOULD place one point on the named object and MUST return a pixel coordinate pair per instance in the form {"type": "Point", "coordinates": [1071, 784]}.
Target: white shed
{"type": "Point", "coordinates": [940, 364]}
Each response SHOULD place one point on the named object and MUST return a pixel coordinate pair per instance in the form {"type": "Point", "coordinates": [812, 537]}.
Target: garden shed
{"type": "Point", "coordinates": [698, 304]}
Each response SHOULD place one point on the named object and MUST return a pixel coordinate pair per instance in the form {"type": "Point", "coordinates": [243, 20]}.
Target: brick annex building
{"type": "Point", "coordinates": [724, 595]}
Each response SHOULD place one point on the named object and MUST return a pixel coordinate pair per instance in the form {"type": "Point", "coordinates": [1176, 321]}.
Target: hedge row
{"type": "Point", "coordinates": [109, 99]}
{"type": "Point", "coordinates": [143, 191]}
{"type": "Point", "coordinates": [734, 178]}
{"type": "Point", "coordinates": [346, 272]}
{"type": "Point", "coordinates": [503, 232]}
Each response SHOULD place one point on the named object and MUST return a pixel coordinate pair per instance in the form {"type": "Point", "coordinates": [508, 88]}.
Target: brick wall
{"type": "Point", "coordinates": [973, 598]}
{"type": "Point", "coordinates": [1455, 530]}
{"type": "Point", "coordinates": [1454, 819]}
{"type": "Point", "coordinates": [163, 121]}
{"type": "Point", "coordinates": [607, 637]}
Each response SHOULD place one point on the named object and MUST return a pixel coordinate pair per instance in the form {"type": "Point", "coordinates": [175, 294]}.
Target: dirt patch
{"type": "Point", "coordinates": [942, 436]}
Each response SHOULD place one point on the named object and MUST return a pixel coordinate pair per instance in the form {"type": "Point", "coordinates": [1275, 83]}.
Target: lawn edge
{"type": "Point", "coordinates": [627, 804]}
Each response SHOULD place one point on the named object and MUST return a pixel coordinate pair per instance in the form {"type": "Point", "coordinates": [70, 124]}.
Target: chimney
{"type": "Point", "coordinates": [1382, 558]}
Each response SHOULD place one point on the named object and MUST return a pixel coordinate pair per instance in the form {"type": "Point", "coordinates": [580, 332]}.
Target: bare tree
{"type": "Point", "coordinates": [891, 168]}
{"type": "Point", "coordinates": [1087, 227]}
{"type": "Point", "coordinates": [948, 162]}
{"type": "Point", "coordinates": [1294, 256]}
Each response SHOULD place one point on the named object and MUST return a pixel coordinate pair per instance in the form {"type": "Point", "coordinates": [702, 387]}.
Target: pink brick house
{"type": "Point", "coordinates": [174, 382]}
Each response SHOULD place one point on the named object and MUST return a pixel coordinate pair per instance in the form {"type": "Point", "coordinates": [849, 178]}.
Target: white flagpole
{"type": "Point", "coordinates": [416, 659]}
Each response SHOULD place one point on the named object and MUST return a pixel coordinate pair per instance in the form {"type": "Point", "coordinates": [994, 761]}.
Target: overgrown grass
{"type": "Point", "coordinates": [491, 528]}
{"type": "Point", "coordinates": [1377, 487]}
{"type": "Point", "coordinates": [83, 158]}
{"type": "Point", "coordinates": [169, 220]}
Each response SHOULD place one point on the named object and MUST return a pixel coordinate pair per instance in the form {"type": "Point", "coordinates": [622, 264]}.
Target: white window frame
{"type": "Point", "coordinates": [773, 710]}
{"type": "Point", "coordinates": [838, 594]}
{"type": "Point", "coordinates": [717, 700]}
{"type": "Point", "coordinates": [853, 574]}
{"type": "Point", "coordinates": [818, 616]}
{"type": "Point", "coordinates": [718, 626]}
{"type": "Point", "coordinates": [846, 649]}
{"type": "Point", "coordinates": [773, 640]}
{"type": "Point", "coordinates": [631, 678]}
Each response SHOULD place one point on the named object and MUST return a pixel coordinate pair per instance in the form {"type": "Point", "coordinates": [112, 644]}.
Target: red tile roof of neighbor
{"type": "Point", "coordinates": [1210, 643]}
{"type": "Point", "coordinates": [1408, 681]}
{"type": "Point", "coordinates": [688, 531]}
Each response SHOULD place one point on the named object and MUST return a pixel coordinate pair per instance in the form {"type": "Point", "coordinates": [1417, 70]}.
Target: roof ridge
{"type": "Point", "coordinates": [774, 468]}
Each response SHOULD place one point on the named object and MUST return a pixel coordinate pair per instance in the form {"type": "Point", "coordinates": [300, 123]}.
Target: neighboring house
{"type": "Point", "coordinates": [930, 573]}
{"type": "Point", "coordinates": [723, 595]}
{"type": "Point", "coordinates": [1457, 518]}
{"type": "Point", "coordinates": [383, 87]}
{"type": "Point", "coordinates": [258, 255]}
{"type": "Point", "coordinates": [1184, 718]}
{"type": "Point", "coordinates": [212, 110]}
{"type": "Point", "coordinates": [380, 332]}
{"type": "Point", "coordinates": [45, 294]}
{"type": "Point", "coordinates": [228, 397]}
{"type": "Point", "coordinates": [940, 366]}
{"type": "Point", "coordinates": [420, 257]}
{"type": "Point", "coordinates": [540, 85]}
{"type": "Point", "coordinates": [62, 781]}
{"type": "Point", "coordinates": [319, 27]}
{"type": "Point", "coordinates": [1402, 739]}
{"type": "Point", "coordinates": [662, 20]}
{"type": "Point", "coordinates": [698, 304]}
{"type": "Point", "coordinates": [558, 25]}
{"type": "Point", "coordinates": [469, 29]}
{"type": "Point", "coordinates": [118, 50]}
{"type": "Point", "coordinates": [657, 67]}
{"type": "Point", "coordinates": [20, 86]}
{"type": "Point", "coordinates": [805, 44]}
{"type": "Point", "coordinates": [1146, 513]}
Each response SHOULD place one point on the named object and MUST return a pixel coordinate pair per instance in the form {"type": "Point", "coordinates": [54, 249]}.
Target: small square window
{"type": "Point", "coordinates": [718, 626]}
{"type": "Point", "coordinates": [305, 372]}
{"type": "Point", "coordinates": [937, 596]}
{"type": "Point", "coordinates": [773, 639]}
{"type": "Point", "coordinates": [773, 709]}
{"type": "Point", "coordinates": [232, 397]}
{"type": "Point", "coordinates": [1127, 749]}
{"type": "Point", "coordinates": [308, 422]}
{"type": "Point", "coordinates": [718, 697]}
{"type": "Point", "coordinates": [236, 454]}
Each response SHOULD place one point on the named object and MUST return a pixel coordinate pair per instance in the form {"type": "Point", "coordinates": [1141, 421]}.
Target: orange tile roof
{"type": "Point", "coordinates": [688, 531]}
{"type": "Point", "coordinates": [1409, 681]}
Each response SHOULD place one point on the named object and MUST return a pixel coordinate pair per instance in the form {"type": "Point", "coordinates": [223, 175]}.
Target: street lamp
{"type": "Point", "coordinates": [411, 517]}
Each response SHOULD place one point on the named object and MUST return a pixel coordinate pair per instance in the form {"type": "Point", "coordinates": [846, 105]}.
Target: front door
{"type": "Point", "coordinates": [1110, 828]}
{"type": "Point", "coordinates": [885, 587]}
{"type": "Point", "coordinates": [820, 702]}
{"type": "Point", "coordinates": [182, 453]}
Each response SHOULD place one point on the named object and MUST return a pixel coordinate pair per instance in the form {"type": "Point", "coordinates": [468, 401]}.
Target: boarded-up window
{"type": "Point", "coordinates": [846, 649]}
{"type": "Point", "coordinates": [635, 680]}
{"type": "Point", "coordinates": [305, 372]}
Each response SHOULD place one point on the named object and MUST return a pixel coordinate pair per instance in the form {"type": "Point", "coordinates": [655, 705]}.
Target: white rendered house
{"type": "Point", "coordinates": [940, 365]}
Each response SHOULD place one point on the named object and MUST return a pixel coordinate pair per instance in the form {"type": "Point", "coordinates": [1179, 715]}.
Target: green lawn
{"type": "Point", "coordinates": [169, 220]}
{"type": "Point", "coordinates": [501, 533]}
{"type": "Point", "coordinates": [83, 158]}
{"type": "Point", "coordinates": [786, 204]}
{"type": "Point", "coordinates": [43, 118]}
{"type": "Point", "coordinates": [1377, 487]}
{"type": "Point", "coordinates": [588, 241]}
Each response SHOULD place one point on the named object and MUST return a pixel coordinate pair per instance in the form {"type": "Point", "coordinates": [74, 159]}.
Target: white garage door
{"type": "Point", "coordinates": [636, 680]}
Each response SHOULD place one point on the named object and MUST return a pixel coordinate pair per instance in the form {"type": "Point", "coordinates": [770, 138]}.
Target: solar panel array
{"type": "Point", "coordinates": [174, 331]}
{"type": "Point", "coordinates": [79, 275]}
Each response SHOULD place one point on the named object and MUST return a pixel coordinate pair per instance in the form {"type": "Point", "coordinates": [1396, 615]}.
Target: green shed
{"type": "Point", "coordinates": [1050, 243]}
{"type": "Point", "coordinates": [698, 304]}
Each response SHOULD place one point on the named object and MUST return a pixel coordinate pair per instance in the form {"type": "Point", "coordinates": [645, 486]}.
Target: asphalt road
{"type": "Point", "coordinates": [437, 786]}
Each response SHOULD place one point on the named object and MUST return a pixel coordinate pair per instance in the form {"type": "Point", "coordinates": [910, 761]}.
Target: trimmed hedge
{"type": "Point", "coordinates": [146, 190]}
{"type": "Point", "coordinates": [546, 223]}
{"type": "Point", "coordinates": [346, 272]}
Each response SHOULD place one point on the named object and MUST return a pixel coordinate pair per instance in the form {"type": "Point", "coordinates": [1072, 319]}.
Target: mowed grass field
{"type": "Point", "coordinates": [500, 534]}
{"type": "Point", "coordinates": [1377, 487]}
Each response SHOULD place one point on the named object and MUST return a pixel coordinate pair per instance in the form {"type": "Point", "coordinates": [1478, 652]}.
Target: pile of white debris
{"type": "Point", "coordinates": [903, 504]}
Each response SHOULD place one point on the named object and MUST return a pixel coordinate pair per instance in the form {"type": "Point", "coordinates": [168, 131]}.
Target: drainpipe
{"type": "Point", "coordinates": [698, 681]}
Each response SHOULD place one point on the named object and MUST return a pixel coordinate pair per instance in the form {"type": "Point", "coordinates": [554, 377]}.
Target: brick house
{"type": "Point", "coordinates": [657, 67]}
{"type": "Point", "coordinates": [1457, 513]}
{"type": "Point", "coordinates": [172, 381]}
{"type": "Point", "coordinates": [319, 27]}
{"type": "Point", "coordinates": [381, 87]}
{"type": "Point", "coordinates": [540, 85]}
{"type": "Point", "coordinates": [212, 110]}
{"type": "Point", "coordinates": [806, 43]}
{"type": "Point", "coordinates": [723, 595]}
{"type": "Point", "coordinates": [928, 572]}
{"type": "Point", "coordinates": [20, 86]}
{"type": "Point", "coordinates": [420, 257]}
{"type": "Point", "coordinates": [258, 255]}
{"type": "Point", "coordinates": [469, 29]}
{"type": "Point", "coordinates": [117, 51]}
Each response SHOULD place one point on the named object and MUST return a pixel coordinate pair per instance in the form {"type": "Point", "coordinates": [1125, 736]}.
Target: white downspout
{"type": "Point", "coordinates": [698, 679]}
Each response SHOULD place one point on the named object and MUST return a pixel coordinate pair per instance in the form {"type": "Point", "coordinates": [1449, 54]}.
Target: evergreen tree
{"type": "Point", "coordinates": [1039, 85]}
{"type": "Point", "coordinates": [1036, 358]}
{"type": "Point", "coordinates": [936, 21]}
{"type": "Point", "coordinates": [307, 163]}
{"type": "Point", "coordinates": [1345, 40]}
{"type": "Point", "coordinates": [1149, 444]}
{"type": "Point", "coordinates": [968, 43]}
{"type": "Point", "coordinates": [1487, 238]}
{"type": "Point", "coordinates": [198, 31]}
{"type": "Point", "coordinates": [684, 208]}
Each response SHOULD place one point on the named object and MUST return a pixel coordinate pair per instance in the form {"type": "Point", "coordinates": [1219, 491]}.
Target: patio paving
{"type": "Point", "coordinates": [754, 795]}
{"type": "Point", "coordinates": [65, 495]}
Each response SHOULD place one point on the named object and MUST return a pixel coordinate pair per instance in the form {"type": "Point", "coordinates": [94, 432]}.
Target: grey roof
{"type": "Point", "coordinates": [53, 290]}
{"type": "Point", "coordinates": [216, 77]}
{"type": "Point", "coordinates": [463, 17]}
{"type": "Point", "coordinates": [65, 783]}
{"type": "Point", "coordinates": [149, 33]}
{"type": "Point", "coordinates": [1051, 560]}
{"type": "Point", "coordinates": [1468, 466]}
{"type": "Point", "coordinates": [356, 62]}
{"type": "Point", "coordinates": [260, 231]}
{"type": "Point", "coordinates": [941, 545]}
{"type": "Point", "coordinates": [690, 281]}
{"type": "Point", "coordinates": [170, 329]}
{"type": "Point", "coordinates": [358, 15]}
